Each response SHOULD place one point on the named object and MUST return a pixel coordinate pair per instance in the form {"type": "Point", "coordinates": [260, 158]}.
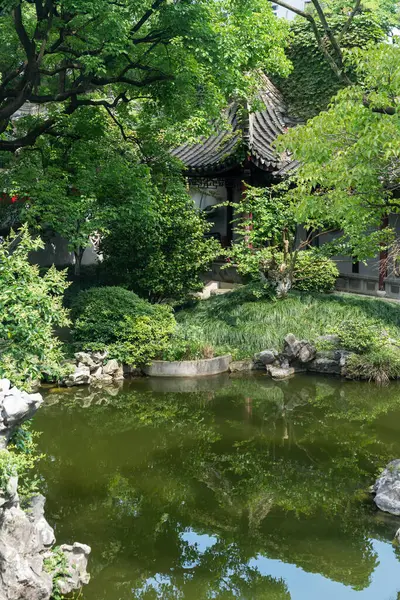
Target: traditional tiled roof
{"type": "Point", "coordinates": [251, 135]}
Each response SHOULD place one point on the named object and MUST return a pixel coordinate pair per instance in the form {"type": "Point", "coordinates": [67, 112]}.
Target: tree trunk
{"type": "Point", "coordinates": [78, 255]}
{"type": "Point", "coordinates": [383, 258]}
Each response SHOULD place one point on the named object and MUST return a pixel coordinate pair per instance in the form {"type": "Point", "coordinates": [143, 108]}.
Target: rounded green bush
{"type": "Point", "coordinates": [314, 273]}
{"type": "Point", "coordinates": [360, 334]}
{"type": "Point", "coordinates": [133, 330]}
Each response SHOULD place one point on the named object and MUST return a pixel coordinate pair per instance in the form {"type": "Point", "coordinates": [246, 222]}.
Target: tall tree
{"type": "Point", "coordinates": [91, 184]}
{"type": "Point", "coordinates": [349, 172]}
{"type": "Point", "coordinates": [189, 57]}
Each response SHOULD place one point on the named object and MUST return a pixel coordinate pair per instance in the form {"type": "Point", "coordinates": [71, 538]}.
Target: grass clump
{"type": "Point", "coordinates": [187, 344]}
{"type": "Point", "coordinates": [244, 324]}
{"type": "Point", "coordinates": [379, 365]}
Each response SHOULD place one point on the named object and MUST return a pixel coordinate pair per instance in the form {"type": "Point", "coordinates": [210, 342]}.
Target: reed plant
{"type": "Point", "coordinates": [244, 324]}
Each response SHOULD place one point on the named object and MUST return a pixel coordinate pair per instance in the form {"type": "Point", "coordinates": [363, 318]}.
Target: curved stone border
{"type": "Point", "coordinates": [189, 368]}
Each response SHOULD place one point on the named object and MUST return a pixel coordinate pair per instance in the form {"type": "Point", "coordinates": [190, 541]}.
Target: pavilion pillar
{"type": "Point", "coordinates": [229, 216]}
{"type": "Point", "coordinates": [243, 192]}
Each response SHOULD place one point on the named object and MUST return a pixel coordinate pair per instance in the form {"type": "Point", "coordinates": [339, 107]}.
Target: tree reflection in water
{"type": "Point", "coordinates": [279, 470]}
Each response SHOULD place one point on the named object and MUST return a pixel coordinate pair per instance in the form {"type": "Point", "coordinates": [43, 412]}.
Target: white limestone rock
{"type": "Point", "coordinates": [119, 374]}
{"type": "Point", "coordinates": [111, 367]}
{"type": "Point", "coordinates": [85, 359]}
{"type": "Point", "coordinates": [97, 374]}
{"type": "Point", "coordinates": [15, 408]}
{"type": "Point", "coordinates": [4, 385]}
{"type": "Point", "coordinates": [77, 559]}
{"type": "Point", "coordinates": [387, 489]}
{"type": "Point", "coordinates": [81, 376]}
{"type": "Point", "coordinates": [26, 540]}
{"type": "Point", "coordinates": [280, 373]}
{"type": "Point", "coordinates": [99, 357]}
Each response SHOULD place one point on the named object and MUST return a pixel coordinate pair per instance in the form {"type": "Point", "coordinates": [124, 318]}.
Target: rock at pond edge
{"type": "Point", "coordinates": [387, 489]}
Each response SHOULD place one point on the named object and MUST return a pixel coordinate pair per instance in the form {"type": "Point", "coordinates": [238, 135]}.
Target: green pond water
{"type": "Point", "coordinates": [225, 488]}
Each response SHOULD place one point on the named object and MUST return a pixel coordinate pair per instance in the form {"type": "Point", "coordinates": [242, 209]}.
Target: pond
{"type": "Point", "coordinates": [225, 487]}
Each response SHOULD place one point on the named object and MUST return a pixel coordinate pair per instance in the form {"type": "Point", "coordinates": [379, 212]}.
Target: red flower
{"type": "Point", "coordinates": [14, 199]}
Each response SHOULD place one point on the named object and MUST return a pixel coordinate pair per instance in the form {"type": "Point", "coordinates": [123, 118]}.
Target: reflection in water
{"type": "Point", "coordinates": [235, 488]}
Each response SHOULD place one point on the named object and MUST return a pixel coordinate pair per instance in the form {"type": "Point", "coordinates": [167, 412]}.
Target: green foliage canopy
{"type": "Point", "coordinates": [160, 251]}
{"type": "Point", "coordinates": [30, 308]}
{"type": "Point", "coordinates": [349, 172]}
{"type": "Point", "coordinates": [186, 57]}
{"type": "Point", "coordinates": [91, 183]}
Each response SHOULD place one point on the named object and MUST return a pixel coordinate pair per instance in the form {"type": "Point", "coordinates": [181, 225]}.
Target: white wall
{"type": "Point", "coordinates": [56, 253]}
{"type": "Point", "coordinates": [209, 197]}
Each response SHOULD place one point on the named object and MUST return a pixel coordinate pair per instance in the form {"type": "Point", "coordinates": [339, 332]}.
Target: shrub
{"type": "Point", "coordinates": [56, 565]}
{"type": "Point", "coordinates": [133, 330]}
{"type": "Point", "coordinates": [188, 344]}
{"type": "Point", "coordinates": [379, 365]}
{"type": "Point", "coordinates": [20, 459]}
{"type": "Point", "coordinates": [142, 338]}
{"type": "Point", "coordinates": [30, 309]}
{"type": "Point", "coordinates": [161, 252]}
{"type": "Point", "coordinates": [314, 273]}
{"type": "Point", "coordinates": [359, 334]}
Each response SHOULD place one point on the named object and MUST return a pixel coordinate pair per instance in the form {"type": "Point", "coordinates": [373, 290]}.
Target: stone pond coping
{"type": "Point", "coordinates": [189, 368]}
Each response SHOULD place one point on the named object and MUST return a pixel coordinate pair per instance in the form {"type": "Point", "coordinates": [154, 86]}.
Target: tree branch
{"type": "Point", "coordinates": [387, 110]}
{"type": "Point", "coordinates": [64, 67]}
{"type": "Point", "coordinates": [12, 75]}
{"type": "Point", "coordinates": [328, 32]}
{"type": "Point", "coordinates": [27, 44]}
{"type": "Point", "coordinates": [29, 139]}
{"type": "Point", "coordinates": [334, 66]}
{"type": "Point", "coordinates": [134, 82]}
{"type": "Point", "coordinates": [350, 19]}
{"type": "Point", "coordinates": [147, 15]}
{"type": "Point", "coordinates": [119, 125]}
{"type": "Point", "coordinates": [108, 105]}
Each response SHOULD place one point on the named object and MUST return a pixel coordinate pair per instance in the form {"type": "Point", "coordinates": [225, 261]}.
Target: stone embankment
{"type": "Point", "coordinates": [29, 562]}
{"type": "Point", "coordinates": [297, 356]}
{"type": "Point", "coordinates": [94, 369]}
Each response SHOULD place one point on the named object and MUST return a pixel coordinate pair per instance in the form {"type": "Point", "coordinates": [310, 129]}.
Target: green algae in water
{"type": "Point", "coordinates": [225, 488]}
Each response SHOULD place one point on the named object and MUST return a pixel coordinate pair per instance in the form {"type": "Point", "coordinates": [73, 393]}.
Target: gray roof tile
{"type": "Point", "coordinates": [253, 136]}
